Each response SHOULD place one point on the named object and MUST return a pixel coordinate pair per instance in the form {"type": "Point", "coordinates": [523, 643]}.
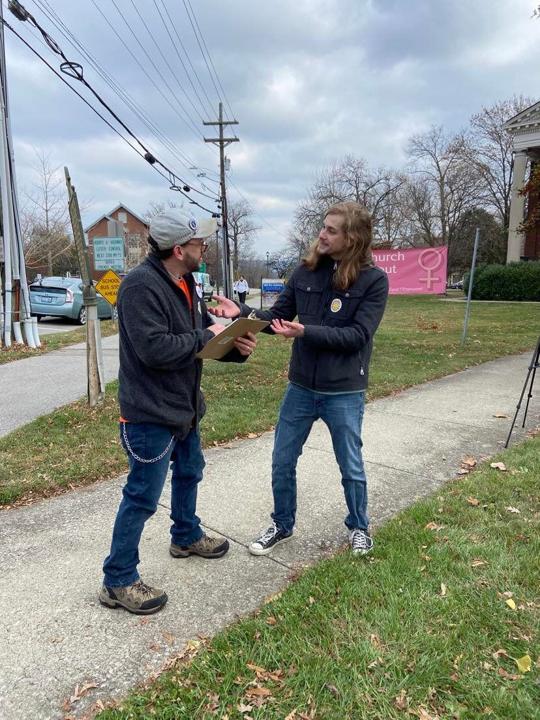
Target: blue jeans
{"type": "Point", "coordinates": [143, 489]}
{"type": "Point", "coordinates": [343, 415]}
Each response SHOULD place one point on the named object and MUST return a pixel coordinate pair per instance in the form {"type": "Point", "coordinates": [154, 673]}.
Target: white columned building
{"type": "Point", "coordinates": [525, 130]}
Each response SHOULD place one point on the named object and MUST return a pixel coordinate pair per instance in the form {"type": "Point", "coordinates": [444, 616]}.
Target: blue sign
{"type": "Point", "coordinates": [109, 253]}
{"type": "Point", "coordinates": [270, 289]}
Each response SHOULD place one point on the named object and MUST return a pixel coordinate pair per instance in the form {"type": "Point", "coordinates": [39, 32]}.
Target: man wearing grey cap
{"type": "Point", "coordinates": [163, 324]}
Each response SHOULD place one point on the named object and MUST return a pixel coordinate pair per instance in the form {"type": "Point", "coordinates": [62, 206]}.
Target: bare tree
{"type": "Point", "coordinates": [451, 183]}
{"type": "Point", "coordinates": [45, 216]}
{"type": "Point", "coordinates": [488, 148]}
{"type": "Point", "coordinates": [348, 179]}
{"type": "Point", "coordinates": [242, 231]}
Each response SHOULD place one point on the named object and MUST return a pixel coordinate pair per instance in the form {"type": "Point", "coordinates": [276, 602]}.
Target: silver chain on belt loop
{"type": "Point", "coordinates": [140, 459]}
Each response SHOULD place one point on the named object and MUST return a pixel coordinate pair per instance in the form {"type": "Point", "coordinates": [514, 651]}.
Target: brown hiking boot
{"type": "Point", "coordinates": [139, 598]}
{"type": "Point", "coordinates": [206, 547]}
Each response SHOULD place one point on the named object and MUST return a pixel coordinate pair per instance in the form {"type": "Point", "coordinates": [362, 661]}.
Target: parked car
{"type": "Point", "coordinates": [455, 285]}
{"type": "Point", "coordinates": [62, 297]}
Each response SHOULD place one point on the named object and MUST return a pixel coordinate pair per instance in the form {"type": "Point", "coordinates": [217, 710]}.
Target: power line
{"type": "Point", "coordinates": [188, 75]}
{"type": "Point", "coordinates": [189, 121]}
{"type": "Point", "coordinates": [209, 57]}
{"type": "Point", "coordinates": [148, 30]}
{"type": "Point", "coordinates": [172, 178]}
{"type": "Point", "coordinates": [192, 22]}
{"type": "Point", "coordinates": [122, 94]}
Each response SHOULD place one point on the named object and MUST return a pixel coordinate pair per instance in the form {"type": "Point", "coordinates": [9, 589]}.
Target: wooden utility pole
{"type": "Point", "coordinates": [222, 143]}
{"type": "Point", "coordinates": [94, 354]}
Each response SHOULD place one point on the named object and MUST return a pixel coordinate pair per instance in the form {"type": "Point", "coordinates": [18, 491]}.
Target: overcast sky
{"type": "Point", "coordinates": [309, 81]}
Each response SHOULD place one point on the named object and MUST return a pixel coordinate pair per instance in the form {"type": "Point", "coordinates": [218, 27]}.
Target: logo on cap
{"type": "Point", "coordinates": [193, 224]}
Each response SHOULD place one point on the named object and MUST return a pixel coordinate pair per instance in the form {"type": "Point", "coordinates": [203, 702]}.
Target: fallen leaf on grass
{"type": "Point", "coordinates": [477, 562]}
{"type": "Point", "coordinates": [433, 526]}
{"type": "Point", "coordinates": [511, 604]}
{"type": "Point", "coordinates": [506, 675]}
{"type": "Point", "coordinates": [473, 501]}
{"type": "Point", "coordinates": [271, 620]}
{"type": "Point", "coordinates": [258, 692]}
{"type": "Point", "coordinates": [244, 708]}
{"type": "Point", "coordinates": [443, 590]}
{"type": "Point", "coordinates": [513, 510]}
{"type": "Point", "coordinates": [498, 466]}
{"type": "Point", "coordinates": [499, 653]}
{"type": "Point", "coordinates": [292, 715]}
{"type": "Point", "coordinates": [332, 689]}
{"type": "Point", "coordinates": [524, 664]}
{"type": "Point", "coordinates": [401, 701]}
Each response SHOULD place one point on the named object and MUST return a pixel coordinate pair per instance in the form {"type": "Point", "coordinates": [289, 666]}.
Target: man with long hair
{"type": "Point", "coordinates": [339, 297]}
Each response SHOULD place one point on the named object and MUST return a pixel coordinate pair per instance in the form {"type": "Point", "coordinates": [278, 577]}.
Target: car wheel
{"type": "Point", "coordinates": [82, 316]}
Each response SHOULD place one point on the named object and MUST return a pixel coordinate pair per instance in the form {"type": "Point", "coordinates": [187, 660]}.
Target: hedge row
{"type": "Point", "coordinates": [516, 281]}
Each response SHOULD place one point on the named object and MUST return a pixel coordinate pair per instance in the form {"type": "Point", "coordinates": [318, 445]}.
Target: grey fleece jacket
{"type": "Point", "coordinates": [159, 375]}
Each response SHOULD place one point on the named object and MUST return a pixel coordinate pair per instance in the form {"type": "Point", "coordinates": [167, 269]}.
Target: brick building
{"type": "Point", "coordinates": [120, 222]}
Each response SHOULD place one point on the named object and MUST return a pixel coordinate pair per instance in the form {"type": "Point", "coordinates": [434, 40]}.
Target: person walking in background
{"type": "Point", "coordinates": [242, 288]}
{"type": "Point", "coordinates": [339, 297]}
{"type": "Point", "coordinates": [163, 324]}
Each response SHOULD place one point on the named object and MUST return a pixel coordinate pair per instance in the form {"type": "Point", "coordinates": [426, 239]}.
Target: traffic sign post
{"type": "Point", "coordinates": [108, 287]}
{"type": "Point", "coordinates": [109, 253]}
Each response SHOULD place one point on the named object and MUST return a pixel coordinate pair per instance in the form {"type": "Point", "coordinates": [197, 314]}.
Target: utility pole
{"type": "Point", "coordinates": [94, 354]}
{"type": "Point", "coordinates": [222, 143]}
{"type": "Point", "coordinates": [15, 310]}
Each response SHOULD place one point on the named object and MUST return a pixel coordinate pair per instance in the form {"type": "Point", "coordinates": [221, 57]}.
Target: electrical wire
{"type": "Point", "coordinates": [170, 176]}
{"type": "Point", "coordinates": [189, 120]}
{"type": "Point", "coordinates": [148, 30]}
{"type": "Point", "coordinates": [209, 56]}
{"type": "Point", "coordinates": [122, 94]}
{"type": "Point", "coordinates": [194, 71]}
{"type": "Point", "coordinates": [75, 71]}
{"type": "Point", "coordinates": [202, 51]}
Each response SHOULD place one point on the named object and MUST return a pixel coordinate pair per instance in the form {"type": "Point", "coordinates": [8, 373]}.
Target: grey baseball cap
{"type": "Point", "coordinates": [176, 227]}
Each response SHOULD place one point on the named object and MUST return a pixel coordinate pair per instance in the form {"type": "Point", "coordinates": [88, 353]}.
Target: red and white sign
{"type": "Point", "coordinates": [415, 271]}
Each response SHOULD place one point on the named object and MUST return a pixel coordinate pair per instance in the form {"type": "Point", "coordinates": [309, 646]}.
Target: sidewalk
{"type": "Point", "coordinates": [54, 636]}
{"type": "Point", "coordinates": [38, 385]}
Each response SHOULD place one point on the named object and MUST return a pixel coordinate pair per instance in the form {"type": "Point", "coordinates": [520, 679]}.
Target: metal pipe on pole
{"type": "Point", "coordinates": [469, 291]}
{"type": "Point", "coordinates": [15, 295]}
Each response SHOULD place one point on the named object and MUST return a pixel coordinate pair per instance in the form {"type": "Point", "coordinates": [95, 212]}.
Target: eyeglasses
{"type": "Point", "coordinates": [203, 245]}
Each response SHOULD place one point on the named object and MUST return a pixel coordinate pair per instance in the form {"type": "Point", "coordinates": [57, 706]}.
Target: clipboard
{"type": "Point", "coordinates": [221, 344]}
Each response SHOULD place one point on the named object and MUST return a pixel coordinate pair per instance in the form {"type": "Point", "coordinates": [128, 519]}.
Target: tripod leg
{"type": "Point", "coordinates": [529, 396]}
{"type": "Point", "coordinates": [534, 364]}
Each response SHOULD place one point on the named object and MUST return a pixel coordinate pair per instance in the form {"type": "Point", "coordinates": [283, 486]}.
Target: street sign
{"type": "Point", "coordinates": [108, 286]}
{"type": "Point", "coordinates": [270, 290]}
{"type": "Point", "coordinates": [109, 253]}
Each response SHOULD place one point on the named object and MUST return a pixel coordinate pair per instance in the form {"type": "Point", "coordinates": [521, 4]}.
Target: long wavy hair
{"type": "Point", "coordinates": [358, 237]}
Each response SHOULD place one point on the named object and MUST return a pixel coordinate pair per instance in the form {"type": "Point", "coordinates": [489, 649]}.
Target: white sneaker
{"type": "Point", "coordinates": [360, 541]}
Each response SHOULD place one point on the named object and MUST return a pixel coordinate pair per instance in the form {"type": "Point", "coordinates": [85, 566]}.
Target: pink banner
{"type": "Point", "coordinates": [415, 271]}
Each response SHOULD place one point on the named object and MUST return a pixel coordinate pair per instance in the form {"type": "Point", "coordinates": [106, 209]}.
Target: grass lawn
{"type": "Point", "coordinates": [440, 623]}
{"type": "Point", "coordinates": [54, 341]}
{"type": "Point", "coordinates": [419, 340]}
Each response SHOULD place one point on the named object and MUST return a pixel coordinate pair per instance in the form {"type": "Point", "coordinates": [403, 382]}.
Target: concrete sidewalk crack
{"type": "Point", "coordinates": [235, 541]}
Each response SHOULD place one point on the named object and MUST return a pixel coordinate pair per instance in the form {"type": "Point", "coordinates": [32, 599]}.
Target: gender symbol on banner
{"type": "Point", "coordinates": [430, 268]}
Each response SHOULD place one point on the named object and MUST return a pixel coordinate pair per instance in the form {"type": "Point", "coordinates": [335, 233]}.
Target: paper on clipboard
{"type": "Point", "coordinates": [221, 344]}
